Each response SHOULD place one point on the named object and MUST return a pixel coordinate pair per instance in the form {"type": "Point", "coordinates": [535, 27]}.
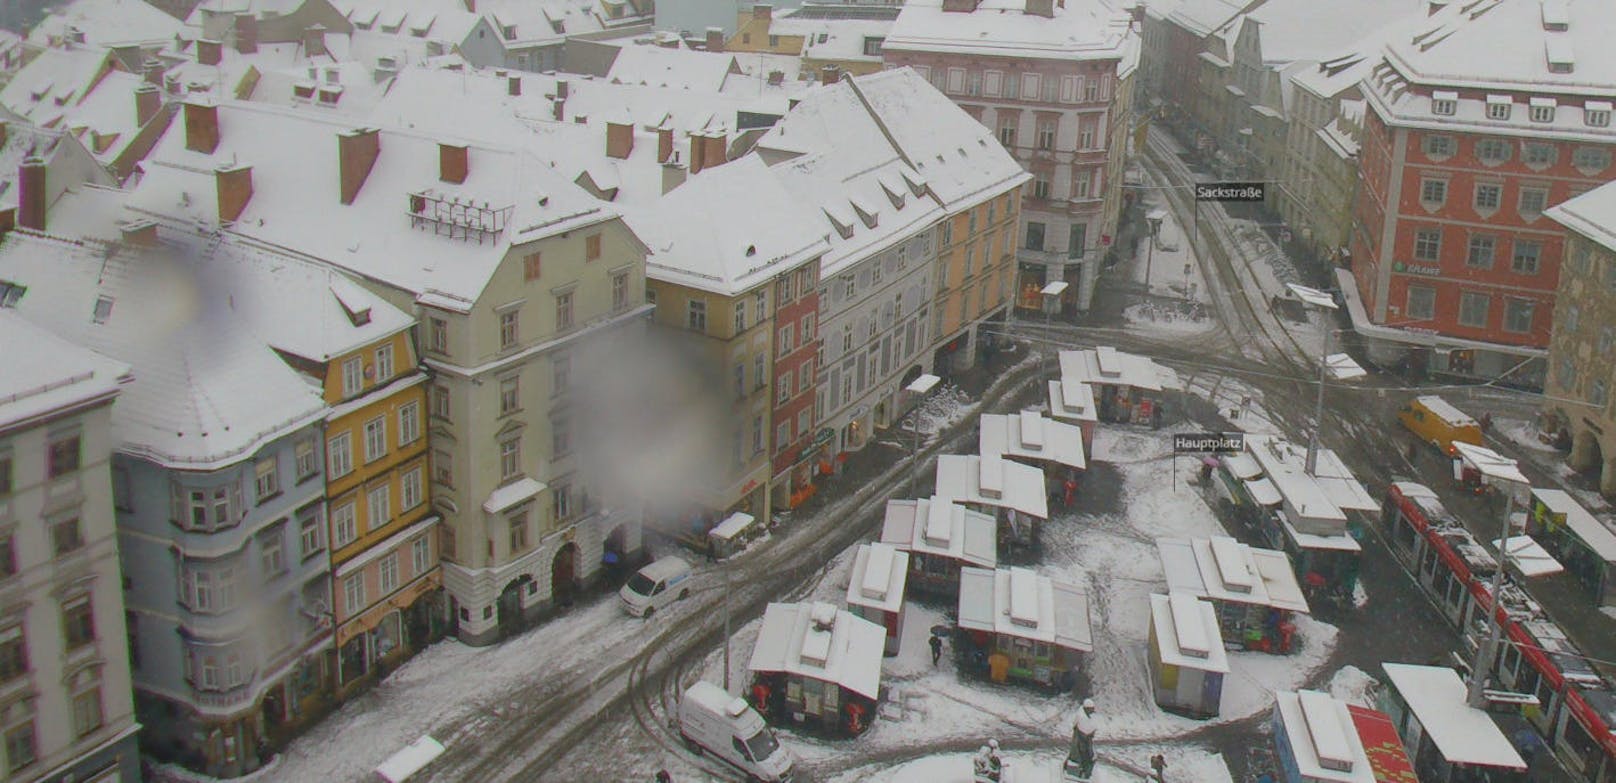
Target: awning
{"type": "Point", "coordinates": [511, 494]}
{"type": "Point", "coordinates": [1530, 557]}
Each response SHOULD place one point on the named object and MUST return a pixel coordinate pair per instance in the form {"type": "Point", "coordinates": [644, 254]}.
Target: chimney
{"type": "Point", "coordinates": [201, 127]}
{"type": "Point", "coordinates": [5, 132]}
{"type": "Point", "coordinates": [235, 188]}
{"type": "Point", "coordinates": [314, 40]}
{"type": "Point", "coordinates": [471, 6]}
{"type": "Point", "coordinates": [715, 39]}
{"type": "Point", "coordinates": [561, 89]}
{"type": "Point", "coordinates": [139, 232]}
{"type": "Point", "coordinates": [31, 196]}
{"type": "Point", "coordinates": [560, 107]}
{"type": "Point", "coordinates": [357, 151]}
{"type": "Point", "coordinates": [960, 6]}
{"type": "Point", "coordinates": [1044, 8]}
{"type": "Point", "coordinates": [513, 86]}
{"type": "Point", "coordinates": [717, 152]}
{"type": "Point", "coordinates": [153, 70]}
{"type": "Point", "coordinates": [664, 144]}
{"type": "Point", "coordinates": [619, 139]}
{"type": "Point", "coordinates": [829, 74]}
{"type": "Point", "coordinates": [763, 11]}
{"type": "Point", "coordinates": [148, 100]}
{"type": "Point", "coordinates": [453, 162]}
{"type": "Point", "coordinates": [1435, 7]}
{"type": "Point", "coordinates": [777, 78]}
{"type": "Point", "coordinates": [673, 175]}
{"type": "Point", "coordinates": [209, 52]}
{"type": "Point", "coordinates": [698, 153]}
{"type": "Point", "coordinates": [246, 33]}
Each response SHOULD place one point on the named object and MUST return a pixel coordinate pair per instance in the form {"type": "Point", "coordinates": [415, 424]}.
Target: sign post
{"type": "Point", "coordinates": [1205, 443]}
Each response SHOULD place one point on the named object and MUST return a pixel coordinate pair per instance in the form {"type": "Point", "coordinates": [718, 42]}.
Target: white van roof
{"type": "Point", "coordinates": [664, 568]}
{"type": "Point", "coordinates": [713, 698]}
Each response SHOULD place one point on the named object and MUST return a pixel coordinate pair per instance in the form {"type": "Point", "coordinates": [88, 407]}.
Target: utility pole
{"type": "Point", "coordinates": [1475, 694]}
{"type": "Point", "coordinates": [1323, 302]}
{"type": "Point", "coordinates": [725, 566]}
{"type": "Point", "coordinates": [1154, 217]}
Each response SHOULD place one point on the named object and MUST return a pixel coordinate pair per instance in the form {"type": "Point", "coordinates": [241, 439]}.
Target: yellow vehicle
{"type": "Point", "coordinates": [1438, 423]}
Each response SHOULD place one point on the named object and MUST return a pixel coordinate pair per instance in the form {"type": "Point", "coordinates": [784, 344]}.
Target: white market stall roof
{"type": "Point", "coordinates": [1074, 400]}
{"type": "Point", "coordinates": [1242, 466]}
{"type": "Point", "coordinates": [1021, 603]}
{"type": "Point", "coordinates": [1529, 556]}
{"type": "Point", "coordinates": [732, 526]}
{"type": "Point", "coordinates": [1338, 541]}
{"type": "Point", "coordinates": [405, 763]}
{"type": "Point", "coordinates": [1109, 366]}
{"type": "Point", "coordinates": [1494, 467]}
{"type": "Point", "coordinates": [938, 526]}
{"type": "Point", "coordinates": [1314, 504]}
{"type": "Point", "coordinates": [992, 481]}
{"type": "Point", "coordinates": [1031, 436]}
{"type": "Point", "coordinates": [1462, 733]}
{"type": "Point", "coordinates": [1445, 410]}
{"type": "Point", "coordinates": [1342, 368]}
{"type": "Point", "coordinates": [819, 641]}
{"type": "Point", "coordinates": [1223, 569]}
{"type": "Point", "coordinates": [1263, 492]}
{"type": "Point", "coordinates": [880, 572]}
{"type": "Point", "coordinates": [511, 494]}
{"type": "Point", "coordinates": [1587, 527]}
{"type": "Point", "coordinates": [1322, 737]}
{"type": "Point", "coordinates": [1187, 632]}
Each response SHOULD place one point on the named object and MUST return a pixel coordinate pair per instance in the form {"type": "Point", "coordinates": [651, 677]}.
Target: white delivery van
{"type": "Point", "coordinates": [712, 721]}
{"type": "Point", "coordinates": [655, 586]}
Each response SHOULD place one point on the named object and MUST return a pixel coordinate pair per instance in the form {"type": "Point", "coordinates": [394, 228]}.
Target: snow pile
{"type": "Point", "coordinates": [943, 409]}
{"type": "Point", "coordinates": [1521, 433]}
{"type": "Point", "coordinates": [1354, 686]}
{"type": "Point", "coordinates": [1168, 319]}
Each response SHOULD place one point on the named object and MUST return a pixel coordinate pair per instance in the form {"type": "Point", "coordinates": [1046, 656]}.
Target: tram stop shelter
{"type": "Point", "coordinates": [1448, 739]}
{"type": "Point", "coordinates": [1582, 542]}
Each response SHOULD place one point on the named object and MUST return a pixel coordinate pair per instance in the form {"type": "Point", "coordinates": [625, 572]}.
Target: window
{"type": "Point", "coordinates": [561, 368]}
{"type": "Point", "coordinates": [1607, 340]}
{"type": "Point", "coordinates": [344, 525]}
{"type": "Point", "coordinates": [1541, 112]}
{"type": "Point", "coordinates": [560, 437]}
{"type": "Point", "coordinates": [1498, 108]}
{"type": "Point", "coordinates": [339, 453]}
{"type": "Point", "coordinates": [410, 489]}
{"type": "Point", "coordinates": [619, 291]}
{"type": "Point", "coordinates": [1539, 155]}
{"type": "Point", "coordinates": [1433, 192]}
{"type": "Point", "coordinates": [592, 247]}
{"type": "Point", "coordinates": [8, 556]}
{"type": "Point", "coordinates": [1046, 135]}
{"type": "Point", "coordinates": [63, 456]}
{"type": "Point", "coordinates": [13, 654]}
{"type": "Point", "coordinates": [788, 334]}
{"type": "Point", "coordinates": [1445, 107]}
{"type": "Point", "coordinates": [757, 435]}
{"type": "Point", "coordinates": [353, 592]}
{"type": "Point", "coordinates": [438, 335]}
{"type": "Point", "coordinates": [805, 377]}
{"type": "Point", "coordinates": [443, 468]}
{"type": "Point", "coordinates": [440, 402]}
{"type": "Point", "coordinates": [1598, 394]}
{"type": "Point", "coordinates": [384, 363]}
{"type": "Point", "coordinates": [5, 475]}
{"type": "Point", "coordinates": [310, 533]}
{"type": "Point", "coordinates": [409, 423]}
{"type": "Point", "coordinates": [849, 286]}
{"type": "Point", "coordinates": [20, 749]}
{"type": "Point", "coordinates": [87, 712]}
{"type": "Point", "coordinates": [1437, 146]}
{"type": "Point", "coordinates": [510, 458]}
{"type": "Point", "coordinates": [1007, 132]}
{"type": "Point", "coordinates": [1518, 314]}
{"type": "Point", "coordinates": [1076, 239]}
{"type": "Point", "coordinates": [1567, 372]}
{"type": "Point", "coordinates": [784, 388]}
{"type": "Point", "coordinates": [561, 502]}
{"type": "Point", "coordinates": [1082, 183]}
{"type": "Point", "coordinates": [758, 369]}
{"type": "Point", "coordinates": [508, 328]}
{"type": "Point", "coordinates": [378, 507]}
{"type": "Point", "coordinates": [1473, 309]}
{"type": "Point", "coordinates": [563, 311]}
{"type": "Point", "coordinates": [872, 47]}
{"type": "Point", "coordinates": [1533, 202]}
{"type": "Point", "coordinates": [1085, 137]}
{"type": "Point", "coordinates": [805, 420]}
{"type": "Point", "coordinates": [1421, 302]}
{"type": "Point", "coordinates": [532, 265]}
{"type": "Point", "coordinates": [1493, 151]}
{"type": "Point", "coordinates": [807, 328]}
{"type": "Point", "coordinates": [1598, 118]}
{"type": "Point", "coordinates": [1573, 314]}
{"type": "Point", "coordinates": [266, 479]}
{"type": "Point", "coordinates": [304, 462]}
{"type": "Point", "coordinates": [353, 376]}
{"type": "Point", "coordinates": [518, 533]}
{"type": "Point", "coordinates": [272, 551]}
{"type": "Point", "coordinates": [782, 436]}
{"type": "Point", "coordinates": [1525, 259]}
{"type": "Point", "coordinates": [1488, 197]}
{"type": "Point", "coordinates": [1040, 186]}
{"type": "Point", "coordinates": [1591, 160]}
{"type": "Point", "coordinates": [388, 573]}
{"type": "Point", "coordinates": [696, 317]}
{"type": "Point", "coordinates": [510, 395]}
{"type": "Point", "coordinates": [420, 555]}
{"type": "Point", "coordinates": [1035, 235]}
{"type": "Point", "coordinates": [1481, 251]}
{"type": "Point", "coordinates": [973, 82]}
{"type": "Point", "coordinates": [66, 537]}
{"type": "Point", "coordinates": [1428, 244]}
{"type": "Point", "coordinates": [375, 439]}
{"type": "Point", "coordinates": [11, 293]}
{"type": "Point", "coordinates": [78, 622]}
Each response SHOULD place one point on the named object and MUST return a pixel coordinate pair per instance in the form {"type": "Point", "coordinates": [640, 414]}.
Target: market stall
{"type": "Point", "coordinates": [1015, 624]}
{"type": "Point", "coordinates": [940, 537]}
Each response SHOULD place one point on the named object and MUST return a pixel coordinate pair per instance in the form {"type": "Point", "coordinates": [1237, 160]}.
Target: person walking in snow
{"type": "Point", "coordinates": [936, 648]}
{"type": "Point", "coordinates": [662, 776]}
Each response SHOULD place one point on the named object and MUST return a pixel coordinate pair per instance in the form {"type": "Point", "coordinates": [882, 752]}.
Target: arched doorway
{"type": "Point", "coordinates": [564, 575]}
{"type": "Point", "coordinates": [510, 605]}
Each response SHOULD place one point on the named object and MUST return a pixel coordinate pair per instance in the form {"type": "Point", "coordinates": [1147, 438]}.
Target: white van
{"type": "Point", "coordinates": [712, 721]}
{"type": "Point", "coordinates": [655, 586]}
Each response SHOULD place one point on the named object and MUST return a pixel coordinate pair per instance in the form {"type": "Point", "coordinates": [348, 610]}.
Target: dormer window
{"type": "Point", "coordinates": [11, 293]}
{"type": "Point", "coordinates": [508, 32]}
{"type": "Point", "coordinates": [1542, 110]}
{"type": "Point", "coordinates": [1444, 103]}
{"type": "Point", "coordinates": [1596, 114]}
{"type": "Point", "coordinates": [1499, 107]}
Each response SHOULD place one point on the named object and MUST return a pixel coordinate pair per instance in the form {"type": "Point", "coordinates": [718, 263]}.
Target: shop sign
{"type": "Point", "coordinates": [823, 436]}
{"type": "Point", "coordinates": [1417, 269]}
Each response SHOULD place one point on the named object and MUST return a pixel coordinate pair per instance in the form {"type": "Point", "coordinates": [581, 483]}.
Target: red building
{"type": "Point", "coordinates": [1477, 123]}
{"type": "Point", "coordinates": [796, 343]}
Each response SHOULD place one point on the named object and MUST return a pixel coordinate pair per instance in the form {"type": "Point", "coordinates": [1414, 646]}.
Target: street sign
{"type": "Point", "coordinates": [1230, 191]}
{"type": "Point", "coordinates": [1209, 443]}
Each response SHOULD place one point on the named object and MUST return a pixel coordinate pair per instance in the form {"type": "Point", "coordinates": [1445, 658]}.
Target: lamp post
{"type": "Point", "coordinates": [919, 387]}
{"type": "Point", "coordinates": [1323, 301]}
{"type": "Point", "coordinates": [1154, 218]}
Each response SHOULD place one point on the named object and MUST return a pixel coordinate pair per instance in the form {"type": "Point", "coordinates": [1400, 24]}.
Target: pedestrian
{"type": "Point", "coordinates": [936, 649]}
{"type": "Point", "coordinates": [1071, 491]}
{"type": "Point", "coordinates": [1156, 416]}
{"type": "Point", "coordinates": [1486, 421]}
{"type": "Point", "coordinates": [1413, 450]}
{"type": "Point", "coordinates": [662, 776]}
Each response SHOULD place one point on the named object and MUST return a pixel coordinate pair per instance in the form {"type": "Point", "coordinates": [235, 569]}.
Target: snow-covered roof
{"type": "Point", "coordinates": [680, 69]}
{"type": "Point", "coordinates": [1079, 30]}
{"type": "Point", "coordinates": [728, 230]}
{"type": "Point", "coordinates": [1223, 569]}
{"type": "Point", "coordinates": [1592, 214]}
{"type": "Point", "coordinates": [1203, 17]}
{"type": "Point", "coordinates": [833, 39]}
{"type": "Point", "coordinates": [45, 373]}
{"type": "Point", "coordinates": [1242, 466]}
{"type": "Point", "coordinates": [937, 526]}
{"type": "Point", "coordinates": [1593, 532]}
{"type": "Point", "coordinates": [1108, 366]}
{"type": "Point", "coordinates": [405, 227]}
{"type": "Point", "coordinates": [1463, 734]}
{"type": "Point", "coordinates": [444, 20]}
{"type": "Point", "coordinates": [992, 481]}
{"type": "Point", "coordinates": [77, 90]}
{"type": "Point", "coordinates": [1187, 632]}
{"type": "Point", "coordinates": [1494, 467]}
{"type": "Point", "coordinates": [1029, 435]}
{"type": "Point", "coordinates": [1294, 30]}
{"type": "Point", "coordinates": [1446, 411]}
{"type": "Point", "coordinates": [208, 390]}
{"type": "Point", "coordinates": [1323, 740]}
{"type": "Point", "coordinates": [819, 641]}
{"type": "Point", "coordinates": [732, 526]}
{"type": "Point", "coordinates": [414, 757]}
{"type": "Point", "coordinates": [1529, 557]}
{"type": "Point", "coordinates": [1022, 603]}
{"type": "Point", "coordinates": [1317, 503]}
{"type": "Point", "coordinates": [106, 23]}
{"type": "Point", "coordinates": [511, 494]}
{"type": "Point", "coordinates": [879, 574]}
{"type": "Point", "coordinates": [1074, 401]}
{"type": "Point", "coordinates": [1263, 492]}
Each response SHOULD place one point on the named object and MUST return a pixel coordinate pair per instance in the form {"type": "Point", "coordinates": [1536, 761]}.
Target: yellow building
{"type": "Point", "coordinates": [976, 262]}
{"type": "Point", "coordinates": [839, 38]}
{"type": "Point", "coordinates": [753, 34]}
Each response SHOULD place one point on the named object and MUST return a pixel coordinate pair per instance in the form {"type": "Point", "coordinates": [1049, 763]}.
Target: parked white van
{"type": "Point", "coordinates": [655, 586]}
{"type": "Point", "coordinates": [712, 721]}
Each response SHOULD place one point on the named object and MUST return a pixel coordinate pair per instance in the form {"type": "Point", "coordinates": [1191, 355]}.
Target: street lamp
{"type": "Point", "coordinates": [919, 387]}
{"type": "Point", "coordinates": [1322, 301]}
{"type": "Point", "coordinates": [1154, 218]}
